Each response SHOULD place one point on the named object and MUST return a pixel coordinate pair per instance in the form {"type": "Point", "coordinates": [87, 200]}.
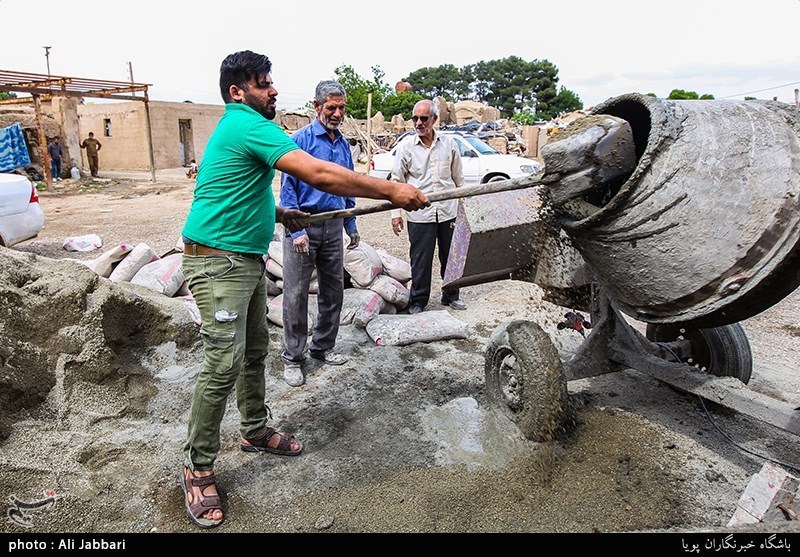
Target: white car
{"type": "Point", "coordinates": [481, 163]}
{"type": "Point", "coordinates": [21, 216]}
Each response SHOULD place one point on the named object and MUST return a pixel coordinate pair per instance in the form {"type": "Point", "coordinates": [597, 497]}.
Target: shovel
{"type": "Point", "coordinates": [584, 156]}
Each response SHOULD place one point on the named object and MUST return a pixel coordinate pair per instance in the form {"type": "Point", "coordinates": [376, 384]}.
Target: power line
{"type": "Point", "coordinates": [760, 90]}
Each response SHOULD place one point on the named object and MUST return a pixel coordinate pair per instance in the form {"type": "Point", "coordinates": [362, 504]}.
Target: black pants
{"type": "Point", "coordinates": [424, 237]}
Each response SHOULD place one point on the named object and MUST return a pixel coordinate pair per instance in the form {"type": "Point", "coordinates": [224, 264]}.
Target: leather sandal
{"type": "Point", "coordinates": [196, 508]}
{"type": "Point", "coordinates": [260, 443]}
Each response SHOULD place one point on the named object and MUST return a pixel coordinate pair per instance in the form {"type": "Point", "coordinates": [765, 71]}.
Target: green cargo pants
{"type": "Point", "coordinates": [231, 295]}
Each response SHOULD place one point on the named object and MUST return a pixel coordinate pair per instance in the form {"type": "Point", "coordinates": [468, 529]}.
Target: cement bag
{"type": "Point", "coordinates": [427, 326]}
{"type": "Point", "coordinates": [275, 311]}
{"type": "Point", "coordinates": [137, 258]}
{"type": "Point", "coordinates": [164, 275]}
{"type": "Point", "coordinates": [396, 268]}
{"type": "Point", "coordinates": [90, 242]}
{"type": "Point", "coordinates": [360, 306]}
{"type": "Point", "coordinates": [191, 307]}
{"type": "Point", "coordinates": [104, 264]}
{"type": "Point", "coordinates": [272, 287]}
{"type": "Point", "coordinates": [274, 268]}
{"type": "Point", "coordinates": [275, 251]}
{"type": "Point", "coordinates": [183, 290]}
{"type": "Point", "coordinates": [363, 264]}
{"type": "Point", "coordinates": [391, 290]}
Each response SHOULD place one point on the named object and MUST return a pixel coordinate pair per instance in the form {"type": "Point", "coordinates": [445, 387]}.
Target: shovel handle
{"type": "Point", "coordinates": [519, 183]}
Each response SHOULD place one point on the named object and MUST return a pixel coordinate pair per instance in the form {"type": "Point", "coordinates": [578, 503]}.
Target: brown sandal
{"type": "Point", "coordinates": [260, 443]}
{"type": "Point", "coordinates": [197, 508]}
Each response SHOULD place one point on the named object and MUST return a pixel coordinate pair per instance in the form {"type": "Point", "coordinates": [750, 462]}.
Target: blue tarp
{"type": "Point", "coordinates": [13, 151]}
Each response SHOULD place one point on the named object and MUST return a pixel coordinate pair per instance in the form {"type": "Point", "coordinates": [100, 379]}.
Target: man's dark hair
{"type": "Point", "coordinates": [238, 68]}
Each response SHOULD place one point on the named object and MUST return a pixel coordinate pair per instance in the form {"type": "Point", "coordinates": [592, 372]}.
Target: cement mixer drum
{"type": "Point", "coordinates": [706, 230]}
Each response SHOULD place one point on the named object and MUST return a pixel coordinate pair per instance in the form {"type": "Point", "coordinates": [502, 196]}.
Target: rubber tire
{"type": "Point", "coordinates": [496, 178]}
{"type": "Point", "coordinates": [723, 351]}
{"type": "Point", "coordinates": [525, 380]}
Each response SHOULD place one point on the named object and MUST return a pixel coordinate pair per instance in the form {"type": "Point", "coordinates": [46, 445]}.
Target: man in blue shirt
{"type": "Point", "coordinates": [320, 245]}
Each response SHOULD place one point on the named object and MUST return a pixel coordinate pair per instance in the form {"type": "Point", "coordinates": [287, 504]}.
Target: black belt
{"type": "Point", "coordinates": [200, 249]}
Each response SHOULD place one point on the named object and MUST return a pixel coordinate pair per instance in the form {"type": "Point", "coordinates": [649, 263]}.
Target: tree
{"type": "Point", "coordinates": [566, 101]}
{"type": "Point", "coordinates": [358, 90]}
{"type": "Point", "coordinates": [680, 94]}
{"type": "Point", "coordinates": [511, 84]}
{"type": "Point", "coordinates": [443, 81]}
{"type": "Point", "coordinates": [400, 103]}
{"type": "Point", "coordinates": [7, 95]}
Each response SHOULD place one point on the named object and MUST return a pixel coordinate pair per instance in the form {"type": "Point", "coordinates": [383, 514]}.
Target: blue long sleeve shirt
{"type": "Point", "coordinates": [296, 194]}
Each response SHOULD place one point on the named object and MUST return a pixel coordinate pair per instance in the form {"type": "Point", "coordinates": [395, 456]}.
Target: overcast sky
{"type": "Point", "coordinates": [727, 48]}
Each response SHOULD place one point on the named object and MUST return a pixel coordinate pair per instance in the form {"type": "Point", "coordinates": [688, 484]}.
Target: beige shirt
{"type": "Point", "coordinates": [432, 170]}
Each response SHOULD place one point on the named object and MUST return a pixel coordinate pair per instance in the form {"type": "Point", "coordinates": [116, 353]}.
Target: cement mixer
{"type": "Point", "coordinates": [697, 229]}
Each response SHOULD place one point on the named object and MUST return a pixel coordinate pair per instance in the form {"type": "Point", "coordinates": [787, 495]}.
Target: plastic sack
{"type": "Point", "coordinates": [275, 311]}
{"type": "Point", "coordinates": [137, 258]}
{"type": "Point", "coordinates": [360, 306]}
{"type": "Point", "coordinates": [164, 275]}
{"type": "Point", "coordinates": [90, 242]}
{"type": "Point", "coordinates": [426, 326]}
{"type": "Point", "coordinates": [363, 264]}
{"type": "Point", "coordinates": [104, 264]}
{"type": "Point", "coordinates": [396, 268]}
{"type": "Point", "coordinates": [391, 290]}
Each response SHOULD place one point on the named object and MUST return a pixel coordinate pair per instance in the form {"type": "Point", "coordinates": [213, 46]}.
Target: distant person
{"type": "Point", "coordinates": [55, 152]}
{"type": "Point", "coordinates": [92, 147]}
{"type": "Point", "coordinates": [319, 245]}
{"type": "Point", "coordinates": [431, 162]}
{"type": "Point", "coordinates": [226, 234]}
{"type": "Point", "coordinates": [192, 172]}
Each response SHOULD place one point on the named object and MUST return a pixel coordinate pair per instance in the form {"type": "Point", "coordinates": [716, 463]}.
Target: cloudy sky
{"type": "Point", "coordinates": [727, 48]}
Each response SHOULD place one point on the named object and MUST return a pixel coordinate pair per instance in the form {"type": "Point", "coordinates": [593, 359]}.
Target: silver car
{"type": "Point", "coordinates": [21, 216]}
{"type": "Point", "coordinates": [480, 162]}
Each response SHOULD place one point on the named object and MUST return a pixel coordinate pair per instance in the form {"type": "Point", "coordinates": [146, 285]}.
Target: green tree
{"type": "Point", "coordinates": [7, 95]}
{"type": "Point", "coordinates": [680, 94]}
{"type": "Point", "coordinates": [566, 101]}
{"type": "Point", "coordinates": [443, 81]}
{"type": "Point", "coordinates": [400, 103]}
{"type": "Point", "coordinates": [511, 84]}
{"type": "Point", "coordinates": [358, 90]}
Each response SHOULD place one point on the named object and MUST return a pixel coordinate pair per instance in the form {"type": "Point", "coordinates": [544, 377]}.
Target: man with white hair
{"type": "Point", "coordinates": [318, 246]}
{"type": "Point", "coordinates": [431, 162]}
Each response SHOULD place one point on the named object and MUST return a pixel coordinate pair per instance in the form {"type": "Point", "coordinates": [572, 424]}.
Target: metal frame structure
{"type": "Point", "coordinates": [45, 87]}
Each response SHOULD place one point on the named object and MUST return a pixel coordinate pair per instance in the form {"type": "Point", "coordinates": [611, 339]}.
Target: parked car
{"type": "Point", "coordinates": [481, 162]}
{"type": "Point", "coordinates": [21, 216]}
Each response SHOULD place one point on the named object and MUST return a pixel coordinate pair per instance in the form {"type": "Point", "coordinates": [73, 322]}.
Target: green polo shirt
{"type": "Point", "coordinates": [233, 206]}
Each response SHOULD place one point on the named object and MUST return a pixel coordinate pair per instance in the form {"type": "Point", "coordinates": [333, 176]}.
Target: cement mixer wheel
{"type": "Point", "coordinates": [525, 380]}
{"type": "Point", "coordinates": [723, 351]}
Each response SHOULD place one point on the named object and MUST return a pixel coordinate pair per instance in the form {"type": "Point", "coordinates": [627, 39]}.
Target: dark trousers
{"type": "Point", "coordinates": [326, 253]}
{"type": "Point", "coordinates": [55, 168]}
{"type": "Point", "coordinates": [424, 237]}
{"type": "Point", "coordinates": [94, 162]}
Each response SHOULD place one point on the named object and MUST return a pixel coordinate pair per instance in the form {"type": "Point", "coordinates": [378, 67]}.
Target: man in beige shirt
{"type": "Point", "coordinates": [432, 163]}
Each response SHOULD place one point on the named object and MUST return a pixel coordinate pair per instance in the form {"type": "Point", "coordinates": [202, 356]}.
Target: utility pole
{"type": "Point", "coordinates": [47, 55]}
{"type": "Point", "coordinates": [130, 73]}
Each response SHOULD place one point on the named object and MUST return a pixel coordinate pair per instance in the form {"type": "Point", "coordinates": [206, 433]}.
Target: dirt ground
{"type": "Point", "coordinates": [97, 381]}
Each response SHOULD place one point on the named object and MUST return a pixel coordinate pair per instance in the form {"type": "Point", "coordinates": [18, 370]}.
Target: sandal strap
{"type": "Point", "coordinates": [203, 481]}
{"type": "Point", "coordinates": [285, 443]}
{"type": "Point", "coordinates": [202, 503]}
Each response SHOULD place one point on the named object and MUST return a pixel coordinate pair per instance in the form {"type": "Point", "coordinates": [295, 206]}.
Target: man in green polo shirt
{"type": "Point", "coordinates": [230, 224]}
